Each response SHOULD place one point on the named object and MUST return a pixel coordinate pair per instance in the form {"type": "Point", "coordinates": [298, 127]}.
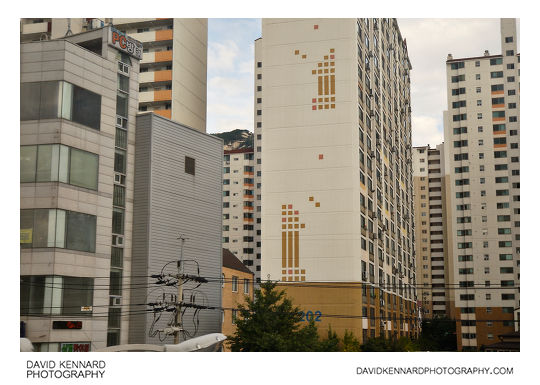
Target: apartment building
{"type": "Point", "coordinates": [481, 149]}
{"type": "Point", "coordinates": [237, 284]}
{"type": "Point", "coordinates": [177, 216]}
{"type": "Point", "coordinates": [430, 230]}
{"type": "Point", "coordinates": [78, 104]}
{"type": "Point", "coordinates": [173, 66]}
{"type": "Point", "coordinates": [337, 187]}
{"type": "Point", "coordinates": [239, 222]}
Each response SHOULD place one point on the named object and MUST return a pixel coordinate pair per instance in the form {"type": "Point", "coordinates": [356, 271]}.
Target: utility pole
{"type": "Point", "coordinates": [178, 320]}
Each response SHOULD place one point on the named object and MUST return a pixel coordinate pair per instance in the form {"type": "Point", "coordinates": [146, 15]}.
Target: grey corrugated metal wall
{"type": "Point", "coordinates": [169, 202]}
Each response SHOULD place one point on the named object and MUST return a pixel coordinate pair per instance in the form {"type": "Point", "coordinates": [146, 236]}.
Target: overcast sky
{"type": "Point", "coordinates": [429, 41]}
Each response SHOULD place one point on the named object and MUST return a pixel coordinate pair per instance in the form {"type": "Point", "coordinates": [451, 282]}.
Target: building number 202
{"type": "Point", "coordinates": [310, 316]}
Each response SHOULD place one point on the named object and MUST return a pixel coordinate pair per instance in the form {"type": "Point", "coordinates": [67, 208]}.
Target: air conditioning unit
{"type": "Point", "coordinates": [118, 240]}
{"type": "Point", "coordinates": [115, 300]}
{"type": "Point", "coordinates": [119, 178]}
{"type": "Point", "coordinates": [121, 122]}
{"type": "Point", "coordinates": [123, 68]}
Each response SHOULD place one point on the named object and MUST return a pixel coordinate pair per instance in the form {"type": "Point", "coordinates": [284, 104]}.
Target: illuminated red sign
{"type": "Point", "coordinates": [67, 325]}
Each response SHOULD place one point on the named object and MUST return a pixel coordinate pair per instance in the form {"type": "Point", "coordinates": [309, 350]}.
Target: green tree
{"type": "Point", "coordinates": [331, 343]}
{"type": "Point", "coordinates": [438, 334]}
{"type": "Point", "coordinates": [270, 323]}
{"type": "Point", "coordinates": [349, 343]}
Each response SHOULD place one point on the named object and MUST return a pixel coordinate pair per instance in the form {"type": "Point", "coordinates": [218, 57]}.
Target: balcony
{"type": "Point", "coordinates": [35, 28]}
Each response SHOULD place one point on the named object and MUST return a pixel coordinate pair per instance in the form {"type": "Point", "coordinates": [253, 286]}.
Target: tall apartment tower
{"type": "Point", "coordinates": [337, 187]}
{"type": "Point", "coordinates": [430, 231]}
{"type": "Point", "coordinates": [481, 149]}
{"type": "Point", "coordinates": [78, 105]}
{"type": "Point", "coordinates": [239, 230]}
{"type": "Point", "coordinates": [173, 66]}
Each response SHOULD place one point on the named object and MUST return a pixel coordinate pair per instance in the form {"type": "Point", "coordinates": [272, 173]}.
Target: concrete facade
{"type": "Point", "coordinates": [66, 61]}
{"type": "Point", "coordinates": [336, 170]}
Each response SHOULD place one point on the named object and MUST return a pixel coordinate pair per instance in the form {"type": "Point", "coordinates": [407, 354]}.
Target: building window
{"type": "Point", "coordinates": [58, 228]}
{"type": "Point", "coordinates": [234, 284]}
{"type": "Point", "coordinates": [246, 286]}
{"type": "Point", "coordinates": [59, 99]}
{"type": "Point", "coordinates": [56, 295]}
{"type": "Point", "coordinates": [190, 165]}
{"type": "Point", "coordinates": [59, 163]}
{"type": "Point", "coordinates": [234, 316]}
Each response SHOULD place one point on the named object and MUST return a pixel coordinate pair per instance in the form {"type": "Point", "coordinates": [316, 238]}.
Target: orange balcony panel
{"type": "Point", "coordinates": [162, 95]}
{"type": "Point", "coordinates": [250, 173]}
{"type": "Point", "coordinates": [500, 92]}
{"type": "Point", "coordinates": [164, 34]}
{"type": "Point", "coordinates": [164, 113]}
{"type": "Point", "coordinates": [499, 145]}
{"type": "Point", "coordinates": [248, 219]}
{"type": "Point", "coordinates": [248, 208]}
{"type": "Point", "coordinates": [248, 185]}
{"type": "Point", "coordinates": [499, 132]}
{"type": "Point", "coordinates": [248, 196]}
{"type": "Point", "coordinates": [163, 56]}
{"type": "Point", "coordinates": [499, 119]}
{"type": "Point", "coordinates": [497, 106]}
{"type": "Point", "coordinates": [163, 76]}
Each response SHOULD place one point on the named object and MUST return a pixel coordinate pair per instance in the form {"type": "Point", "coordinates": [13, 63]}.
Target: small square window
{"type": "Point", "coordinates": [477, 76]}
{"type": "Point", "coordinates": [478, 90]}
{"type": "Point", "coordinates": [480, 155]}
{"type": "Point", "coordinates": [479, 102]}
{"type": "Point", "coordinates": [480, 128]}
{"type": "Point", "coordinates": [190, 165]}
{"type": "Point", "coordinates": [477, 63]}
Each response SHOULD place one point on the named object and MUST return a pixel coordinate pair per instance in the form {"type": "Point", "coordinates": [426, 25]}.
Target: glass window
{"type": "Point", "coordinates": [47, 100]}
{"type": "Point", "coordinates": [86, 107]}
{"type": "Point", "coordinates": [118, 221]}
{"type": "Point", "coordinates": [50, 96]}
{"type": "Point", "coordinates": [83, 169]}
{"type": "Point", "coordinates": [59, 163]}
{"type": "Point", "coordinates": [81, 231]}
{"type": "Point", "coordinates": [28, 163]}
{"type": "Point", "coordinates": [47, 166]}
{"type": "Point", "coordinates": [30, 99]}
{"type": "Point", "coordinates": [56, 295]}
{"type": "Point", "coordinates": [120, 161]}
{"type": "Point", "coordinates": [123, 83]}
{"type": "Point", "coordinates": [121, 104]}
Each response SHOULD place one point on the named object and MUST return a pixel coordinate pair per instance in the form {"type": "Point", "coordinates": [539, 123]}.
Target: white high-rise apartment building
{"type": "Point", "coordinates": [430, 230]}
{"type": "Point", "coordinates": [239, 206]}
{"type": "Point", "coordinates": [172, 82]}
{"type": "Point", "coordinates": [337, 184]}
{"type": "Point", "coordinates": [481, 146]}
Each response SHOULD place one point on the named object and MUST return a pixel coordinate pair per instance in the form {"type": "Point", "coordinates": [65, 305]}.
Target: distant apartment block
{"type": "Point", "coordinates": [481, 149]}
{"type": "Point", "coordinates": [430, 231]}
{"type": "Point", "coordinates": [239, 219]}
